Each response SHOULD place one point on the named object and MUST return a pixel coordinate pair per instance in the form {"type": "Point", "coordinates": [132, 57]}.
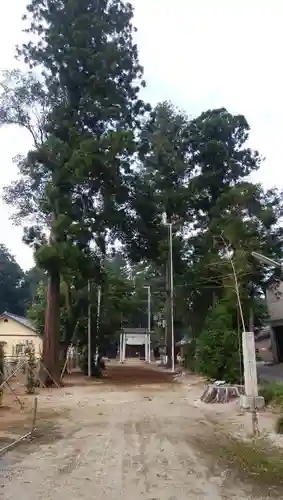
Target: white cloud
{"type": "Point", "coordinates": [199, 54]}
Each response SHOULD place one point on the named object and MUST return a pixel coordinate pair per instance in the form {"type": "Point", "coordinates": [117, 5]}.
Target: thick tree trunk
{"type": "Point", "coordinates": [51, 333]}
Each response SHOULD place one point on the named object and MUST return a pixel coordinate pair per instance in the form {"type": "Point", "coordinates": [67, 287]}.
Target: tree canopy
{"type": "Point", "coordinates": [17, 288]}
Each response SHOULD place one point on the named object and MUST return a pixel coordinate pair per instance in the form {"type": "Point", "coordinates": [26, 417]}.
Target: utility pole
{"type": "Point", "coordinates": [147, 356]}
{"type": "Point", "coordinates": [170, 336]}
{"type": "Point", "coordinates": [172, 296]}
{"type": "Point", "coordinates": [168, 333]}
{"type": "Point", "coordinates": [89, 330]}
{"type": "Point", "coordinates": [98, 319]}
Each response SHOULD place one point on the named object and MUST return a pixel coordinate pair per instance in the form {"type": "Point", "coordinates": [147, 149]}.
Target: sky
{"type": "Point", "coordinates": [199, 54]}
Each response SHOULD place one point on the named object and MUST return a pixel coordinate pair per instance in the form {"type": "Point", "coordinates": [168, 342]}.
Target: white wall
{"type": "Point", "coordinates": [275, 303]}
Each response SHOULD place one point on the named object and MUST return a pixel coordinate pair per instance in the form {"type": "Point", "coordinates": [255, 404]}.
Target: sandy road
{"type": "Point", "coordinates": [120, 441]}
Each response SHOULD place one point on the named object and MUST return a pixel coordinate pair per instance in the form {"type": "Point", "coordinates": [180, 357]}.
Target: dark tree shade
{"type": "Point", "coordinates": [12, 293]}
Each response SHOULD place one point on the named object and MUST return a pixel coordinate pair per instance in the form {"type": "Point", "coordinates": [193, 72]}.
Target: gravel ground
{"type": "Point", "coordinates": [120, 440]}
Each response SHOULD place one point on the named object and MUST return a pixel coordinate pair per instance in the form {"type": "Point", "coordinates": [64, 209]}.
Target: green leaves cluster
{"type": "Point", "coordinates": [218, 347]}
{"type": "Point", "coordinates": [17, 288]}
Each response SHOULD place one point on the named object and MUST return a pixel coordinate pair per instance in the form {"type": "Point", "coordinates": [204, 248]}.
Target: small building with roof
{"type": "Point", "coordinates": [17, 334]}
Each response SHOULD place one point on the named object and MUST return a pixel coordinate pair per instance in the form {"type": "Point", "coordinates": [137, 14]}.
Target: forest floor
{"type": "Point", "coordinates": [136, 434]}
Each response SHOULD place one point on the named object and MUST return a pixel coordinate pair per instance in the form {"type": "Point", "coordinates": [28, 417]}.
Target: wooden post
{"type": "Point", "coordinates": [34, 415]}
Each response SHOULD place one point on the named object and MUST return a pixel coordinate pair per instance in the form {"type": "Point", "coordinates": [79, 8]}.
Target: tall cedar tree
{"type": "Point", "coordinates": [91, 76]}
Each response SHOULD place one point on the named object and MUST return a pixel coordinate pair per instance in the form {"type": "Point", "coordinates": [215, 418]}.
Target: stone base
{"type": "Point", "coordinates": [246, 402]}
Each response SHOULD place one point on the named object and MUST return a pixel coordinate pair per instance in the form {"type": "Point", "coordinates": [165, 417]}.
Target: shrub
{"type": "Point", "coordinates": [217, 355]}
{"type": "Point", "coordinates": [31, 379]}
{"type": "Point", "coordinates": [217, 348]}
{"type": "Point", "coordinates": [279, 425]}
{"type": "Point", "coordinates": [272, 393]}
{"type": "Point", "coordinates": [95, 369]}
{"type": "Point", "coordinates": [190, 355]}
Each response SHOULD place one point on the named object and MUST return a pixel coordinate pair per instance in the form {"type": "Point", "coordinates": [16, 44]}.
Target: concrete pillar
{"type": "Point", "coordinates": [250, 373]}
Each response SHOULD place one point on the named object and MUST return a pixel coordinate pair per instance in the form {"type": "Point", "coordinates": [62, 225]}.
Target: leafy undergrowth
{"type": "Point", "coordinates": [272, 393]}
{"type": "Point", "coordinates": [255, 461]}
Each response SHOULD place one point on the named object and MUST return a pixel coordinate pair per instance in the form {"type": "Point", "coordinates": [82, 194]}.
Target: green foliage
{"type": "Point", "coordinates": [12, 293]}
{"type": "Point", "coordinates": [217, 349]}
{"type": "Point", "coordinates": [279, 425]}
{"type": "Point", "coordinates": [31, 379]}
{"type": "Point", "coordinates": [73, 182]}
{"type": "Point", "coordinates": [272, 393]}
{"type": "Point", "coordinates": [103, 168]}
{"type": "Point", "coordinates": [96, 370]}
{"type": "Point", "coordinates": [190, 355]}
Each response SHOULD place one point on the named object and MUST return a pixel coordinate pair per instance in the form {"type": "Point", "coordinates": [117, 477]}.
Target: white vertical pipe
{"type": "Point", "coordinates": [149, 321]}
{"type": "Point", "coordinates": [172, 296]}
{"type": "Point", "coordinates": [124, 347]}
{"type": "Point", "coordinates": [120, 348]}
{"type": "Point", "coordinates": [89, 331]}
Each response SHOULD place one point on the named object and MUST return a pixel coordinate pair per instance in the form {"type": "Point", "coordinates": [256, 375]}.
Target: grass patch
{"type": "Point", "coordinates": [279, 425]}
{"type": "Point", "coordinates": [272, 393]}
{"type": "Point", "coordinates": [256, 462]}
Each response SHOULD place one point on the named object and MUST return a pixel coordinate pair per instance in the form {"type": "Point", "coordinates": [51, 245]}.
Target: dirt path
{"type": "Point", "coordinates": [120, 440]}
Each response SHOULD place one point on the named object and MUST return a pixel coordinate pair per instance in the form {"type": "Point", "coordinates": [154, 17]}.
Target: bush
{"type": "Point", "coordinates": [190, 355]}
{"type": "Point", "coordinates": [95, 369]}
{"type": "Point", "coordinates": [272, 393]}
{"type": "Point", "coordinates": [279, 425]}
{"type": "Point", "coordinates": [217, 355]}
{"type": "Point", "coordinates": [31, 378]}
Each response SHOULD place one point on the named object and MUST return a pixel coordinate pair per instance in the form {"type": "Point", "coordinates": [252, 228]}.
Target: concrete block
{"type": "Point", "coordinates": [246, 402]}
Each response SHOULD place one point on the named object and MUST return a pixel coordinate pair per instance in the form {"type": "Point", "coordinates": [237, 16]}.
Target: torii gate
{"type": "Point", "coordinates": [135, 336]}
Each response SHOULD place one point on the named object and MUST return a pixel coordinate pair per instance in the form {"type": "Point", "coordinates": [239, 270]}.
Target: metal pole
{"type": "Point", "coordinates": [149, 322]}
{"type": "Point", "coordinates": [145, 347]}
{"type": "Point", "coordinates": [172, 296]}
{"type": "Point", "coordinates": [34, 415]}
{"type": "Point", "coordinates": [120, 348]}
{"type": "Point", "coordinates": [89, 331]}
{"type": "Point", "coordinates": [124, 348]}
{"type": "Point", "coordinates": [147, 339]}
{"type": "Point", "coordinates": [97, 319]}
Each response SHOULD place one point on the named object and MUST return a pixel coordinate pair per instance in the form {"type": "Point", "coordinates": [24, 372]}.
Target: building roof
{"type": "Point", "coordinates": [19, 319]}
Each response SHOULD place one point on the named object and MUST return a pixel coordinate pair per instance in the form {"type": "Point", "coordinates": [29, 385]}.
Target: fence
{"type": "Point", "coordinates": [20, 370]}
{"type": "Point", "coordinates": [7, 379]}
{"type": "Point", "coordinates": [71, 363]}
{"type": "Point", "coordinates": [13, 384]}
{"type": "Point", "coordinates": [27, 435]}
